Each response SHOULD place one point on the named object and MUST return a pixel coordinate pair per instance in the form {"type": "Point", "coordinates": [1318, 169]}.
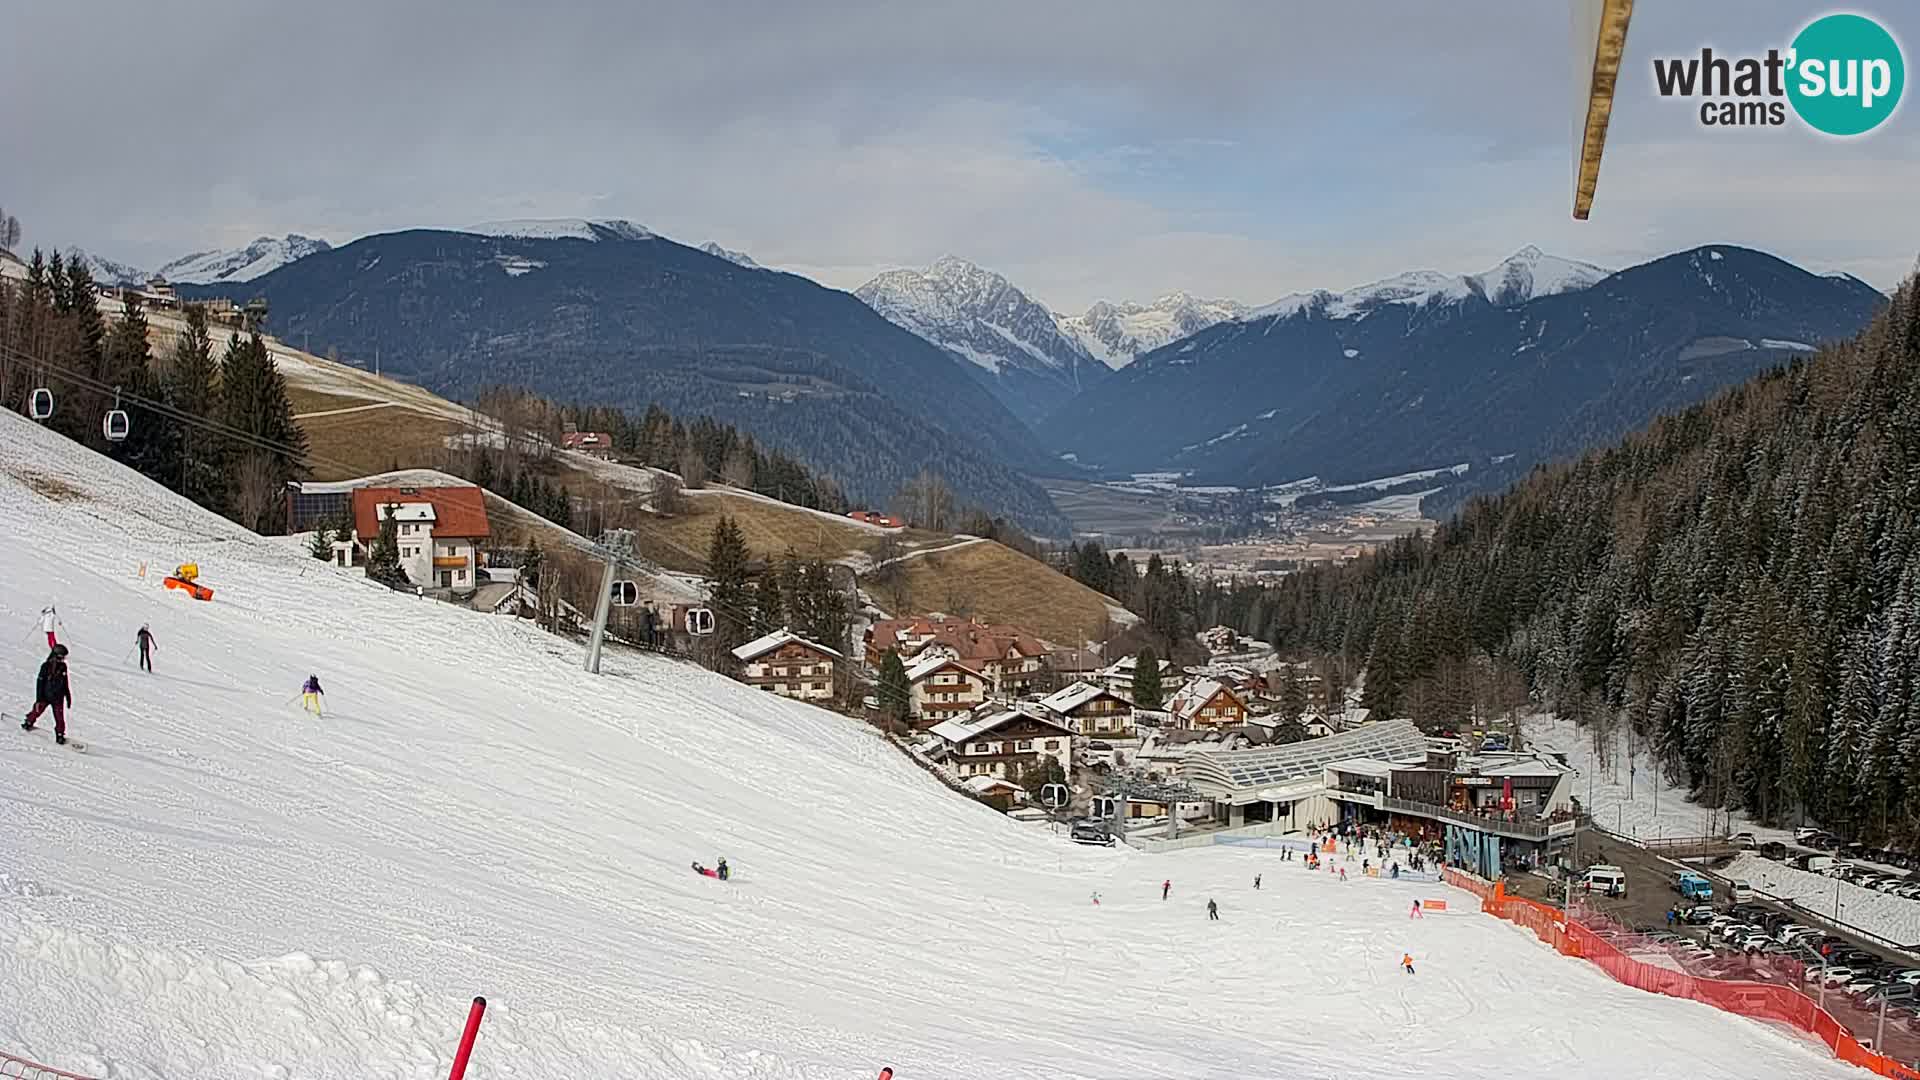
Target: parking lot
{"type": "Point", "coordinates": [1638, 924]}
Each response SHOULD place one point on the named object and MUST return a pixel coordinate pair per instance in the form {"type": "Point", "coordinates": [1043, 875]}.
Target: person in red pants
{"type": "Point", "coordinates": [50, 690]}
{"type": "Point", "coordinates": [48, 617]}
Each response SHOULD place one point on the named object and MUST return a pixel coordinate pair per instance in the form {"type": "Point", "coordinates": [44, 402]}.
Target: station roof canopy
{"type": "Point", "coordinates": [1241, 772]}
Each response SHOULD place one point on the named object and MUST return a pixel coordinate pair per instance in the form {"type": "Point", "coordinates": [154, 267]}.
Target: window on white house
{"type": "Point", "coordinates": [1053, 744]}
{"type": "Point", "coordinates": [976, 748]}
{"type": "Point", "coordinates": [1025, 745]}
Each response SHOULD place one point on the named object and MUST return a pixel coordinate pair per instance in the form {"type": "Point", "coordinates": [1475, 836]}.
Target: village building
{"type": "Point", "coordinates": [597, 444]}
{"type": "Point", "coordinates": [1207, 703]}
{"type": "Point", "coordinates": [1118, 676]}
{"type": "Point", "coordinates": [940, 688]}
{"type": "Point", "coordinates": [1088, 709]}
{"type": "Point", "coordinates": [1005, 743]}
{"type": "Point", "coordinates": [786, 664]}
{"type": "Point", "coordinates": [1012, 660]}
{"type": "Point", "coordinates": [439, 530]}
{"type": "Point", "coordinates": [1493, 812]}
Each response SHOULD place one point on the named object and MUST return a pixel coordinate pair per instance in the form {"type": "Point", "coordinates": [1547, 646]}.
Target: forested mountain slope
{"type": "Point", "coordinates": [1740, 582]}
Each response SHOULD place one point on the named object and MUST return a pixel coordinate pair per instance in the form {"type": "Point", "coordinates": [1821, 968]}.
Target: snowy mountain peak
{"type": "Point", "coordinates": [563, 229]}
{"type": "Point", "coordinates": [738, 258]}
{"type": "Point", "coordinates": [1525, 275]}
{"type": "Point", "coordinates": [108, 272]}
{"type": "Point", "coordinates": [1117, 333]}
{"type": "Point", "coordinates": [983, 318]}
{"type": "Point", "coordinates": [264, 255]}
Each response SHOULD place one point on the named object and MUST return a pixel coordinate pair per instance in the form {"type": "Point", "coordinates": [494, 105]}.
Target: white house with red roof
{"type": "Point", "coordinates": [439, 531]}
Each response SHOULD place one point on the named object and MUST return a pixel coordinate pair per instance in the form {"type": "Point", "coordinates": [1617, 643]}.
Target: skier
{"type": "Point", "coordinates": [703, 871]}
{"type": "Point", "coordinates": [50, 690]}
{"type": "Point", "coordinates": [311, 695]}
{"type": "Point", "coordinates": [1406, 962]}
{"type": "Point", "coordinates": [1096, 898]}
{"type": "Point", "coordinates": [144, 639]}
{"type": "Point", "coordinates": [1256, 883]}
{"type": "Point", "coordinates": [648, 623]}
{"type": "Point", "coordinates": [886, 1073]}
{"type": "Point", "coordinates": [1213, 911]}
{"type": "Point", "coordinates": [722, 868]}
{"type": "Point", "coordinates": [1415, 913]}
{"type": "Point", "coordinates": [1343, 873]}
{"type": "Point", "coordinates": [48, 617]}
{"type": "Point", "coordinates": [1165, 888]}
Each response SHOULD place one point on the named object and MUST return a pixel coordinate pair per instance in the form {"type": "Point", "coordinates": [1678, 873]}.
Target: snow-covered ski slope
{"type": "Point", "coordinates": [224, 887]}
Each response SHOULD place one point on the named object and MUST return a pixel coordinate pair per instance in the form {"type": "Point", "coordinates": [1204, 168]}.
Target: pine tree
{"type": "Point", "coordinates": [727, 588]}
{"type": "Point", "coordinates": [1146, 680]}
{"type": "Point", "coordinates": [383, 561]}
{"type": "Point", "coordinates": [321, 546]}
{"type": "Point", "coordinates": [770, 604]}
{"type": "Point", "coordinates": [254, 401]}
{"type": "Point", "coordinates": [193, 388]}
{"type": "Point", "coordinates": [895, 693]}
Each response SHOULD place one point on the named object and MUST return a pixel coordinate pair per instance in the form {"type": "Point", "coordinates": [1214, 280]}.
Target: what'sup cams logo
{"type": "Point", "coordinates": [1842, 76]}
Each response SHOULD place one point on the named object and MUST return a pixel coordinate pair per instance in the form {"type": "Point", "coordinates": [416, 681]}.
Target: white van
{"type": "Point", "coordinates": [1605, 878]}
{"type": "Point", "coordinates": [1740, 891]}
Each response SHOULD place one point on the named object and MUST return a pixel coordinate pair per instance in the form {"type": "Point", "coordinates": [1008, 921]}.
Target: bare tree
{"type": "Point", "coordinates": [926, 501]}
{"type": "Point", "coordinates": [256, 489]}
{"type": "Point", "coordinates": [666, 494]}
{"type": "Point", "coordinates": [738, 470]}
{"type": "Point", "coordinates": [693, 469]}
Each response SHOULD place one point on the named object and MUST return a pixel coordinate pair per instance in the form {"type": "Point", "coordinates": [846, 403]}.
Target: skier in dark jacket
{"type": "Point", "coordinates": [722, 870]}
{"type": "Point", "coordinates": [1213, 911]}
{"type": "Point", "coordinates": [144, 639]}
{"type": "Point", "coordinates": [50, 690]}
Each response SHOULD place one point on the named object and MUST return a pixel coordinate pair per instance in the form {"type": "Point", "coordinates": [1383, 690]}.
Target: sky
{"type": "Point", "coordinates": [1116, 150]}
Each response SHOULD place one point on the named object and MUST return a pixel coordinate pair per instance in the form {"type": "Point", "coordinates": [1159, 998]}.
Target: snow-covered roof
{"type": "Point", "coordinates": [1191, 698]}
{"type": "Point", "coordinates": [961, 729]}
{"type": "Point", "coordinates": [1526, 766]}
{"type": "Point", "coordinates": [1362, 767]}
{"type": "Point", "coordinates": [927, 665]}
{"type": "Point", "coordinates": [766, 643]}
{"type": "Point", "coordinates": [1071, 698]}
{"type": "Point", "coordinates": [982, 785]}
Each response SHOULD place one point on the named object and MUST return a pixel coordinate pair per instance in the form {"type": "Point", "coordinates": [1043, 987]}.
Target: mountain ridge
{"type": "Point", "coordinates": [632, 317]}
{"type": "Point", "coordinates": [1406, 377]}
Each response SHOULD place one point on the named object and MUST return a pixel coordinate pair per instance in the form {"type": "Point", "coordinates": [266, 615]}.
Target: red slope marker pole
{"type": "Point", "coordinates": [466, 1040]}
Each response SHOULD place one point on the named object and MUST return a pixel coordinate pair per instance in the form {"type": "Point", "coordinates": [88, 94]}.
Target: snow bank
{"type": "Point", "coordinates": [1637, 803]}
{"type": "Point", "coordinates": [226, 887]}
{"type": "Point", "coordinates": [1894, 918]}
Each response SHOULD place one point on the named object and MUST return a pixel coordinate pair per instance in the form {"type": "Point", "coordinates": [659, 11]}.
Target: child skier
{"type": "Point", "coordinates": [1165, 888]}
{"type": "Point", "coordinates": [48, 617]}
{"type": "Point", "coordinates": [703, 871]}
{"type": "Point", "coordinates": [50, 690]}
{"type": "Point", "coordinates": [311, 695]}
{"type": "Point", "coordinates": [721, 870]}
{"type": "Point", "coordinates": [144, 639]}
{"type": "Point", "coordinates": [1415, 913]}
{"type": "Point", "coordinates": [1406, 962]}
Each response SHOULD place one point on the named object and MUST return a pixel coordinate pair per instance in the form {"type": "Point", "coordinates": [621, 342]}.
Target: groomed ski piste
{"type": "Point", "coordinates": [224, 886]}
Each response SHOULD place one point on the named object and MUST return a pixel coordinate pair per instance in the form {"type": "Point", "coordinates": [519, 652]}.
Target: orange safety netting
{"type": "Point", "coordinates": [1778, 1001]}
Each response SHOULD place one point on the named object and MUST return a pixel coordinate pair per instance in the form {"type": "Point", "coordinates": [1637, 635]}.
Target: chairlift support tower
{"type": "Point", "coordinates": [615, 546]}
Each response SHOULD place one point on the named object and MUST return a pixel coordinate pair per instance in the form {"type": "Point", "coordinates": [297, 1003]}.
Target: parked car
{"type": "Point", "coordinates": [1743, 840]}
{"type": "Point", "coordinates": [1091, 832]}
{"type": "Point", "coordinates": [1834, 977]}
{"type": "Point", "coordinates": [1698, 915]}
{"type": "Point", "coordinates": [1740, 890]}
{"type": "Point", "coordinates": [1773, 849]}
{"type": "Point", "coordinates": [1692, 886]}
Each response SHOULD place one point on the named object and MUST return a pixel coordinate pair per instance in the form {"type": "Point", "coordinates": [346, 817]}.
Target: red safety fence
{"type": "Point", "coordinates": [18, 1068]}
{"type": "Point", "coordinates": [1763, 987]}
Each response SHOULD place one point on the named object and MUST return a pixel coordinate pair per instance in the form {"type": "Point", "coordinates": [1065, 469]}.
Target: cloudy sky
{"type": "Point", "coordinates": [1111, 149]}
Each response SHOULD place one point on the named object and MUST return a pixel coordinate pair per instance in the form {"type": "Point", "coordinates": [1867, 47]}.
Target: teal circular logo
{"type": "Point", "coordinates": [1847, 74]}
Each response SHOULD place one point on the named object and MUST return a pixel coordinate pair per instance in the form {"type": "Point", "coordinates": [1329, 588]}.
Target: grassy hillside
{"type": "Point", "coordinates": [359, 424]}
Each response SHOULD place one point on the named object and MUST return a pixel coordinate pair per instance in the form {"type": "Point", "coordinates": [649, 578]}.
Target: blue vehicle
{"type": "Point", "coordinates": [1693, 886]}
